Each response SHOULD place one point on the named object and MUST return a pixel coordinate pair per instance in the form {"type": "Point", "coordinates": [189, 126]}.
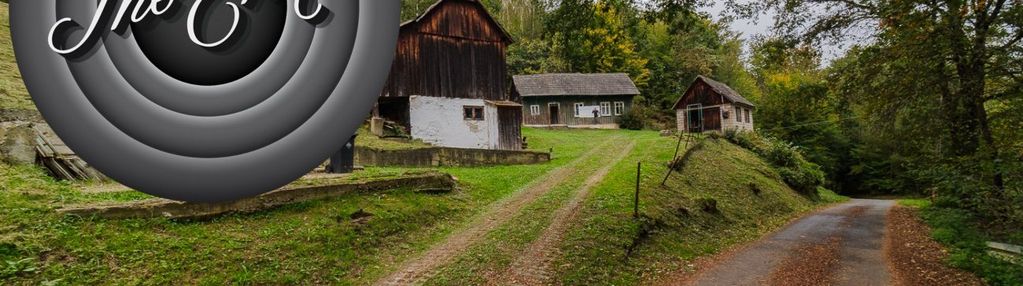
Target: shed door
{"type": "Point", "coordinates": [694, 118]}
{"type": "Point", "coordinates": [712, 118]}
{"type": "Point", "coordinates": [554, 113]}
{"type": "Point", "coordinates": [510, 123]}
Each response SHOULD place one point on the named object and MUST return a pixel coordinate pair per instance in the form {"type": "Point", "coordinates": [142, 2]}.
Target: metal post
{"type": "Point", "coordinates": [343, 161]}
{"type": "Point", "coordinates": [639, 170]}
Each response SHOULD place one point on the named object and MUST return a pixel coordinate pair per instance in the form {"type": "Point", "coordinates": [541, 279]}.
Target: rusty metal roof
{"type": "Point", "coordinates": [565, 84]}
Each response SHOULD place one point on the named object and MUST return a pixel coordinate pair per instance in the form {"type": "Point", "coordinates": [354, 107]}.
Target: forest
{"type": "Point", "coordinates": [926, 101]}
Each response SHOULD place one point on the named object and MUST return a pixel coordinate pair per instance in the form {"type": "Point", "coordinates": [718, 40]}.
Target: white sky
{"type": "Point", "coordinates": [750, 28]}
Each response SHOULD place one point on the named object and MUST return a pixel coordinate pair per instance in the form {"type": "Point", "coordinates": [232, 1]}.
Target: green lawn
{"type": "Point", "coordinates": [318, 243]}
{"type": "Point", "coordinates": [13, 94]}
{"type": "Point", "coordinates": [314, 242]}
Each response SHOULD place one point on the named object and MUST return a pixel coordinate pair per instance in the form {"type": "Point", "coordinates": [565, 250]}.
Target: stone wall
{"type": "Point", "coordinates": [17, 143]}
{"type": "Point", "coordinates": [449, 157]}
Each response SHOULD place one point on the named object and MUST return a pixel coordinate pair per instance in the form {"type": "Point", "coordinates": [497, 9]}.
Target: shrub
{"type": "Point", "coordinates": [800, 174]}
{"type": "Point", "coordinates": [633, 120]}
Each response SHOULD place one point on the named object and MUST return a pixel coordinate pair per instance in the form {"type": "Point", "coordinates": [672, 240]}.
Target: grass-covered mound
{"type": "Point", "coordinates": [13, 94]}
{"type": "Point", "coordinates": [724, 195]}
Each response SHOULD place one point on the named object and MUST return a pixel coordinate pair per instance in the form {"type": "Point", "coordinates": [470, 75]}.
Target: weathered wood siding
{"type": "Point", "coordinates": [455, 51]}
{"type": "Point", "coordinates": [566, 110]}
{"type": "Point", "coordinates": [701, 93]}
{"type": "Point", "coordinates": [510, 129]}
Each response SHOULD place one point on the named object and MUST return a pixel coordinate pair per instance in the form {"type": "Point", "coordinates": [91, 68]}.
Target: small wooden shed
{"type": "Point", "coordinates": [448, 82]}
{"type": "Point", "coordinates": [709, 105]}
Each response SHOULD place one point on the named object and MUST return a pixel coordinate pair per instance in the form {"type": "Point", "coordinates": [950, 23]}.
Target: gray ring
{"type": "Point", "coordinates": [232, 134]}
{"type": "Point", "coordinates": [173, 176]}
{"type": "Point", "coordinates": [201, 100]}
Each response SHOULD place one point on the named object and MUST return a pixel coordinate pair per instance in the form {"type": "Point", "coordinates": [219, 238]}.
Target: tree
{"type": "Point", "coordinates": [963, 46]}
{"type": "Point", "coordinates": [596, 38]}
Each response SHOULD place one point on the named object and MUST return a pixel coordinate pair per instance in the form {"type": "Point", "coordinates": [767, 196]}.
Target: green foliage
{"type": "Point", "coordinates": [633, 120]}
{"type": "Point", "coordinates": [802, 175]}
{"type": "Point", "coordinates": [535, 56]}
{"type": "Point", "coordinates": [957, 230]}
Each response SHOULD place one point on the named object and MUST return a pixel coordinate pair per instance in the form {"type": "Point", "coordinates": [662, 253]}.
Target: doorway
{"type": "Point", "coordinates": [694, 117]}
{"type": "Point", "coordinates": [554, 112]}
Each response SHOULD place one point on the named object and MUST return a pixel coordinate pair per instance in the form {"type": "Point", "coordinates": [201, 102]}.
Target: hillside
{"type": "Point", "coordinates": [606, 246]}
{"type": "Point", "coordinates": [13, 94]}
{"type": "Point", "coordinates": [725, 195]}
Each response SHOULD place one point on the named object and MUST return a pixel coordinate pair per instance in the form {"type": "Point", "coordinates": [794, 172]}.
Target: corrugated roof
{"type": "Point", "coordinates": [725, 90]}
{"type": "Point", "coordinates": [575, 84]}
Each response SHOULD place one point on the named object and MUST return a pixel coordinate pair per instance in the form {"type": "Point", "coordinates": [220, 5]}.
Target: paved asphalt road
{"type": "Point", "coordinates": [858, 225]}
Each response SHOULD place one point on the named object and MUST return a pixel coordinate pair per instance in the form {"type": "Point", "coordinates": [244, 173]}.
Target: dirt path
{"type": "Point", "coordinates": [842, 245]}
{"type": "Point", "coordinates": [532, 267]}
{"type": "Point", "coordinates": [420, 269]}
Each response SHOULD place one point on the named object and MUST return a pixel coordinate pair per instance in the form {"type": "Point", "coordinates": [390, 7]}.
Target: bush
{"type": "Point", "coordinates": [800, 174]}
{"type": "Point", "coordinates": [632, 120]}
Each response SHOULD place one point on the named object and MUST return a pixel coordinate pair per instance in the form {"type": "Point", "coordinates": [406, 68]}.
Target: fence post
{"type": "Point", "coordinates": [639, 170]}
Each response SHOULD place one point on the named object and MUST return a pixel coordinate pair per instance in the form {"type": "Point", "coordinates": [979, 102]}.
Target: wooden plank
{"type": "Point", "coordinates": [1004, 247]}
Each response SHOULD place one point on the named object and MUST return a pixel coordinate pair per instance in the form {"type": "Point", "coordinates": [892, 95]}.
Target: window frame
{"type": "Point", "coordinates": [605, 106]}
{"type": "Point", "coordinates": [576, 107]}
{"type": "Point", "coordinates": [749, 116]}
{"type": "Point", "coordinates": [473, 113]}
{"type": "Point", "coordinates": [616, 109]}
{"type": "Point", "coordinates": [534, 109]}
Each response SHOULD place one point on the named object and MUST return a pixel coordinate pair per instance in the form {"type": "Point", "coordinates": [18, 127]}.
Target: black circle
{"type": "Point", "coordinates": [165, 40]}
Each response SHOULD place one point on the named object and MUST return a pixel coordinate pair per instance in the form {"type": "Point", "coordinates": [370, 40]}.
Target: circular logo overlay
{"type": "Point", "coordinates": [204, 100]}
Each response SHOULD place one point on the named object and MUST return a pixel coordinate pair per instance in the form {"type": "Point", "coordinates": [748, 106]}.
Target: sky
{"type": "Point", "coordinates": [748, 29]}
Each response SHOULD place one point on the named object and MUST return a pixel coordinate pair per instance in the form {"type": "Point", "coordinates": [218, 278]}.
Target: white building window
{"type": "Point", "coordinates": [534, 110]}
{"type": "Point", "coordinates": [605, 109]}
{"type": "Point", "coordinates": [578, 106]}
{"type": "Point", "coordinates": [474, 113]}
{"type": "Point", "coordinates": [619, 107]}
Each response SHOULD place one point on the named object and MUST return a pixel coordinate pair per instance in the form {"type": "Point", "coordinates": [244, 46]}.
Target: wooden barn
{"type": "Point", "coordinates": [448, 82]}
{"type": "Point", "coordinates": [575, 100]}
{"type": "Point", "coordinates": [709, 105]}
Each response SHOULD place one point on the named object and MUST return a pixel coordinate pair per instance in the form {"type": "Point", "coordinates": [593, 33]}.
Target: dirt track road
{"type": "Point", "coordinates": [841, 245]}
{"type": "Point", "coordinates": [420, 269]}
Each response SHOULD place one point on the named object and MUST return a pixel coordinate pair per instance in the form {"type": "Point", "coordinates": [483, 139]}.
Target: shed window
{"type": "Point", "coordinates": [605, 109]}
{"type": "Point", "coordinates": [578, 106]}
{"type": "Point", "coordinates": [534, 110]}
{"type": "Point", "coordinates": [738, 114]}
{"type": "Point", "coordinates": [473, 112]}
{"type": "Point", "coordinates": [619, 107]}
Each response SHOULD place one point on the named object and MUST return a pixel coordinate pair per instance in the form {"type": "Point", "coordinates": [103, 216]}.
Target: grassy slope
{"type": "Point", "coordinates": [674, 228]}
{"type": "Point", "coordinates": [13, 94]}
{"type": "Point", "coordinates": [595, 250]}
{"type": "Point", "coordinates": [311, 242]}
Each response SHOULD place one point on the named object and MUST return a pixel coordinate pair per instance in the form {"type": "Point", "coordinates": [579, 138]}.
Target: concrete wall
{"type": "Point", "coordinates": [452, 157]}
{"type": "Point", "coordinates": [440, 121]}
